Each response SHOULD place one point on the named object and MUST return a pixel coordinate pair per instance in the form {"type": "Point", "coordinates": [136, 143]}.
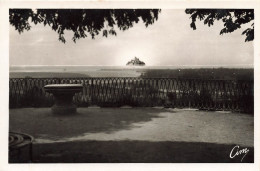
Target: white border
{"type": "Point", "coordinates": [4, 80]}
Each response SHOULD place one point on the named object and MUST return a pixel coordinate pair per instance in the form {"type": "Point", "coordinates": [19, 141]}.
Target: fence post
{"type": "Point", "coordinates": [189, 92]}
{"type": "Point", "coordinates": [25, 90]}
{"type": "Point", "coordinates": [91, 91]}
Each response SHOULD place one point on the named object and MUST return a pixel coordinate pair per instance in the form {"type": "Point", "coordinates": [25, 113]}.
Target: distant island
{"type": "Point", "coordinates": [135, 62]}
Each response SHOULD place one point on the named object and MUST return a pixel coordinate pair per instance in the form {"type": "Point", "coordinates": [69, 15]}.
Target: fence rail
{"type": "Point", "coordinates": [232, 95]}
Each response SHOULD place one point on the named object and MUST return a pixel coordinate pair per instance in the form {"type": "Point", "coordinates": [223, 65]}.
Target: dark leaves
{"type": "Point", "coordinates": [232, 19]}
{"type": "Point", "coordinates": [193, 25]}
{"type": "Point", "coordinates": [19, 19]}
{"type": "Point", "coordinates": [82, 22]}
{"type": "Point", "coordinates": [105, 33]}
{"type": "Point", "coordinates": [249, 34]}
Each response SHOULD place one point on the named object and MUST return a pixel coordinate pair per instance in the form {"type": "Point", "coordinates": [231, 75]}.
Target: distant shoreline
{"type": "Point", "coordinates": [62, 68]}
{"type": "Point", "coordinates": [210, 66]}
{"type": "Point", "coordinates": [98, 72]}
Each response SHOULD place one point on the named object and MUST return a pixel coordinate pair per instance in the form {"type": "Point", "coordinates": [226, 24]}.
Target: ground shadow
{"type": "Point", "coordinates": [40, 123]}
{"type": "Point", "coordinates": [137, 152]}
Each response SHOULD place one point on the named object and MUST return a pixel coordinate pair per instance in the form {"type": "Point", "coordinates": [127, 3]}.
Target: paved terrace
{"type": "Point", "coordinates": [135, 134]}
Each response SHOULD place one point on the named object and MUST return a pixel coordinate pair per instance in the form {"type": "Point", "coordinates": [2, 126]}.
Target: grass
{"type": "Point", "coordinates": [136, 152]}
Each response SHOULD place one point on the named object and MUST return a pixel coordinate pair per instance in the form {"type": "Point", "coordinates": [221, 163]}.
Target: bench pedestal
{"type": "Point", "coordinates": [63, 95]}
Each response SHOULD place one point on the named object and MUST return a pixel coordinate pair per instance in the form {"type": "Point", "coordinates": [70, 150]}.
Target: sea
{"type": "Point", "coordinates": [40, 71]}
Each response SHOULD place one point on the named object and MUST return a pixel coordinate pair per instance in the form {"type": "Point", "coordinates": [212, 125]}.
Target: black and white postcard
{"type": "Point", "coordinates": [127, 85]}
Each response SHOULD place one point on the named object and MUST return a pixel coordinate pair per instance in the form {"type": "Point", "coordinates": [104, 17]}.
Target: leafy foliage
{"type": "Point", "coordinates": [232, 19]}
{"type": "Point", "coordinates": [83, 22]}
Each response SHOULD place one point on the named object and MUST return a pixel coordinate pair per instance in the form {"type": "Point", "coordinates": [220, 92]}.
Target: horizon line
{"type": "Point", "coordinates": [252, 65]}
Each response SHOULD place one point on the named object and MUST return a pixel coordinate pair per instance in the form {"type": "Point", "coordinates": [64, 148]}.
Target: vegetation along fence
{"type": "Point", "coordinates": [232, 95]}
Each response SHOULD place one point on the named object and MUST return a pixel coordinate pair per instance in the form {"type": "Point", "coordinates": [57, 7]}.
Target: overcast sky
{"type": "Point", "coordinates": [169, 41]}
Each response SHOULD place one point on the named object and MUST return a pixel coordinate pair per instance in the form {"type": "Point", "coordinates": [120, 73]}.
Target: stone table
{"type": "Point", "coordinates": [63, 95]}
